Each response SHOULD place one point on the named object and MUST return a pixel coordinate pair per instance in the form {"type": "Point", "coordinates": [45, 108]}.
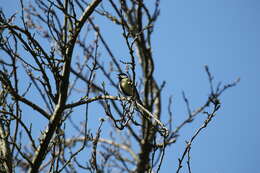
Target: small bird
{"type": "Point", "coordinates": [127, 87]}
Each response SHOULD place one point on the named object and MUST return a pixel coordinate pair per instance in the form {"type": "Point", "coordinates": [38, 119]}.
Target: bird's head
{"type": "Point", "coordinates": [122, 76]}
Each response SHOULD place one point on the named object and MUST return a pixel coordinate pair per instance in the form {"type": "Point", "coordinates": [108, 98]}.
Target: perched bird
{"type": "Point", "coordinates": [127, 87]}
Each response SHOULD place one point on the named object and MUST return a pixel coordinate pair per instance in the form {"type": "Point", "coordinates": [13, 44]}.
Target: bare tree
{"type": "Point", "coordinates": [56, 63]}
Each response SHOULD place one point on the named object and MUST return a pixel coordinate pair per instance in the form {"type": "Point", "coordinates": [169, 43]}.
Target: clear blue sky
{"type": "Point", "coordinates": [225, 35]}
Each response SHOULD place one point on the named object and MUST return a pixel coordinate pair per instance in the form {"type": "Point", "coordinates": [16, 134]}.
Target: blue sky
{"type": "Point", "coordinates": [225, 35]}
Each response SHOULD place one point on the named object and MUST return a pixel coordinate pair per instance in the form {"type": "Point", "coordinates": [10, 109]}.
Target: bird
{"type": "Point", "coordinates": [127, 87]}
